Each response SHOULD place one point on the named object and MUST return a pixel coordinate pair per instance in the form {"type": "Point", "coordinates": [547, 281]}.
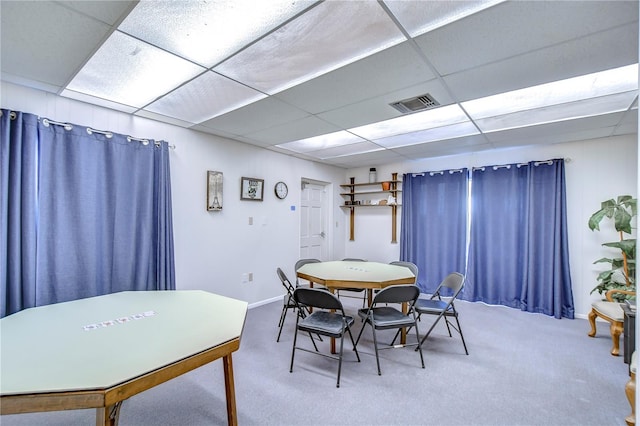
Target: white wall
{"type": "Point", "coordinates": [597, 170]}
{"type": "Point", "coordinates": [213, 249]}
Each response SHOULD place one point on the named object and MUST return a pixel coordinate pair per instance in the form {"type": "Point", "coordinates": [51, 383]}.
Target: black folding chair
{"type": "Point", "coordinates": [327, 319]}
{"type": "Point", "coordinates": [290, 304]}
{"type": "Point", "coordinates": [389, 317]}
{"type": "Point", "coordinates": [444, 308]}
{"type": "Point", "coordinates": [300, 263]}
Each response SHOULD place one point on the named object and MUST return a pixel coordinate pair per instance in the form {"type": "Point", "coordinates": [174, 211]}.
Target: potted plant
{"type": "Point", "coordinates": [621, 274]}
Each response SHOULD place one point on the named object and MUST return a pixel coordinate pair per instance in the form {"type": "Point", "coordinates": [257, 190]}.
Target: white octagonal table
{"type": "Point", "coordinates": [99, 351]}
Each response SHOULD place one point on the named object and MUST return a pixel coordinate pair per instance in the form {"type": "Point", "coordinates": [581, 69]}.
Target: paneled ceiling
{"type": "Point", "coordinates": [317, 80]}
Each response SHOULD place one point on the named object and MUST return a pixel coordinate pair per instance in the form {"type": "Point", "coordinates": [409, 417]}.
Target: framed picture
{"type": "Point", "coordinates": [214, 190]}
{"type": "Point", "coordinates": [251, 189]}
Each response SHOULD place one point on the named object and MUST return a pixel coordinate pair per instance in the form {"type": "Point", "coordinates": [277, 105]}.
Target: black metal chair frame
{"type": "Point", "coordinates": [289, 303]}
{"type": "Point", "coordinates": [436, 305]}
{"type": "Point", "coordinates": [410, 265]}
{"type": "Point", "coordinates": [300, 263]}
{"type": "Point", "coordinates": [388, 317]}
{"type": "Point", "coordinates": [327, 319]}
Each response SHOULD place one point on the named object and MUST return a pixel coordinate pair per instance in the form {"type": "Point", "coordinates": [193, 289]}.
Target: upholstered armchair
{"type": "Point", "coordinates": [610, 311]}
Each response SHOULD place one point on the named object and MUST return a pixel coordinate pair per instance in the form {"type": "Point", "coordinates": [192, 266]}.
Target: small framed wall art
{"type": "Point", "coordinates": [214, 191]}
{"type": "Point", "coordinates": [251, 189]}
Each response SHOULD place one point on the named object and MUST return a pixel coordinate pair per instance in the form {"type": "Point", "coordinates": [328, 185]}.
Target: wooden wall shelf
{"type": "Point", "coordinates": [355, 194]}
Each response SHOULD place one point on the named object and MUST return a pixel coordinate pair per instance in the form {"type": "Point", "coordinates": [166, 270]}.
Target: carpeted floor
{"type": "Point", "coordinates": [522, 369]}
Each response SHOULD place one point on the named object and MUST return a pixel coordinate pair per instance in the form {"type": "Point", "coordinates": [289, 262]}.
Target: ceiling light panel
{"type": "Point", "coordinates": [316, 143]}
{"type": "Point", "coordinates": [341, 151]}
{"type": "Point", "coordinates": [432, 118]}
{"type": "Point", "coordinates": [555, 113]}
{"type": "Point", "coordinates": [419, 17]}
{"type": "Point", "coordinates": [208, 95]}
{"type": "Point", "coordinates": [306, 47]}
{"type": "Point", "coordinates": [430, 135]}
{"type": "Point", "coordinates": [617, 80]}
{"type": "Point", "coordinates": [130, 72]}
{"type": "Point", "coordinates": [208, 32]}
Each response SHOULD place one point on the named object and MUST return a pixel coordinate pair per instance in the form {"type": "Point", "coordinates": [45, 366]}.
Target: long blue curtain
{"type": "Point", "coordinates": [18, 204]}
{"type": "Point", "coordinates": [518, 253]}
{"type": "Point", "coordinates": [433, 231]}
{"type": "Point", "coordinates": [99, 209]}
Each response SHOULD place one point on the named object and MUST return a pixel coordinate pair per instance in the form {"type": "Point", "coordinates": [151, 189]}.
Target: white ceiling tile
{"type": "Point", "coordinates": [131, 72]}
{"type": "Point", "coordinates": [329, 36]}
{"type": "Point", "coordinates": [164, 118]}
{"type": "Point", "coordinates": [300, 129]}
{"type": "Point", "coordinates": [217, 132]}
{"type": "Point", "coordinates": [206, 96]}
{"type": "Point", "coordinates": [445, 148]}
{"type": "Point", "coordinates": [208, 32]}
{"type": "Point", "coordinates": [45, 42]}
{"type": "Point", "coordinates": [419, 17]}
{"type": "Point", "coordinates": [391, 70]}
{"type": "Point", "coordinates": [513, 28]}
{"type": "Point", "coordinates": [602, 51]}
{"type": "Point", "coordinates": [379, 108]}
{"type": "Point", "coordinates": [109, 12]}
{"type": "Point", "coordinates": [261, 115]}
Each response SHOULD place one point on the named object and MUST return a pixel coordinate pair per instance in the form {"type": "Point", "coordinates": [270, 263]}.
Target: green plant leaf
{"type": "Point", "coordinates": [621, 273]}
{"type": "Point", "coordinates": [627, 246]}
{"type": "Point", "coordinates": [622, 220]}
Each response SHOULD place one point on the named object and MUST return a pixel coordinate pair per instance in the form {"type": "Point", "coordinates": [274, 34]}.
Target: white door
{"type": "Point", "coordinates": [313, 220]}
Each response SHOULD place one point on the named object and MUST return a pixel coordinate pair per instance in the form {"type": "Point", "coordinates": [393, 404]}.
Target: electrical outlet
{"type": "Point", "coordinates": [250, 276]}
{"type": "Point", "coordinates": [245, 278]}
{"type": "Point", "coordinates": [250, 220]}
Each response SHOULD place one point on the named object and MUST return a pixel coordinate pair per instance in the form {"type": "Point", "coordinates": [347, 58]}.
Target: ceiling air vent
{"type": "Point", "coordinates": [418, 103]}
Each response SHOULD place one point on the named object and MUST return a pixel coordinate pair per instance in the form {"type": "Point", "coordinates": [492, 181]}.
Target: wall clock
{"type": "Point", "coordinates": [281, 190]}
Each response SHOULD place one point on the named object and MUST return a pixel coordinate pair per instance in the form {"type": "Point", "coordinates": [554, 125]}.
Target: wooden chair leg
{"type": "Point", "coordinates": [630, 390]}
{"type": "Point", "coordinates": [592, 321]}
{"type": "Point", "coordinates": [616, 331]}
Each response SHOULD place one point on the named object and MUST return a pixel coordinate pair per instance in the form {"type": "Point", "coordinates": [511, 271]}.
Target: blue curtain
{"type": "Point", "coordinates": [18, 204]}
{"type": "Point", "coordinates": [433, 231]}
{"type": "Point", "coordinates": [518, 253]}
{"type": "Point", "coordinates": [101, 212]}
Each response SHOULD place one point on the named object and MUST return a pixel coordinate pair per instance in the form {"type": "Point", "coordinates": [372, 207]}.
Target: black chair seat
{"type": "Point", "coordinates": [325, 323]}
{"type": "Point", "coordinates": [433, 306]}
{"type": "Point", "coordinates": [387, 317]}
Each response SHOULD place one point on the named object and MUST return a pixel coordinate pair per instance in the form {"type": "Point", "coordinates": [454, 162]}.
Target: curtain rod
{"type": "Point", "coordinates": [508, 166]}
{"type": "Point", "coordinates": [496, 167]}
{"type": "Point", "coordinates": [68, 126]}
{"type": "Point", "coordinates": [439, 172]}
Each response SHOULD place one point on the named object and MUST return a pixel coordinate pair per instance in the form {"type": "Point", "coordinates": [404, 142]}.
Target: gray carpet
{"type": "Point", "coordinates": [523, 369]}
